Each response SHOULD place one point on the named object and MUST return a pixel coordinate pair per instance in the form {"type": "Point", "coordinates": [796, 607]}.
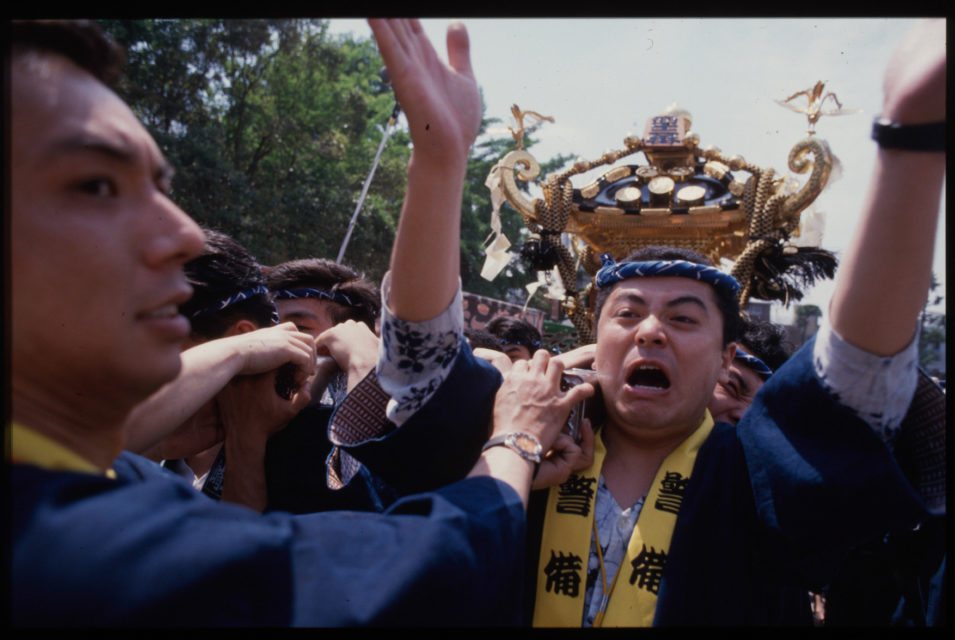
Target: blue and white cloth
{"type": "Point", "coordinates": [612, 272]}
{"type": "Point", "coordinates": [414, 358]}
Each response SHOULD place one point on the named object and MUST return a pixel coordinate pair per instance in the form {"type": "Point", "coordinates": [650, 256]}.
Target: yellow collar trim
{"type": "Point", "coordinates": [30, 447]}
{"type": "Point", "coordinates": [566, 541]}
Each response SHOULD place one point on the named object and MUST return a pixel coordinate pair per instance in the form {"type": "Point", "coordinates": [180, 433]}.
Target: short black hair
{"type": "Point", "coordinates": [482, 338]}
{"type": "Point", "coordinates": [328, 275]}
{"type": "Point", "coordinates": [726, 302]}
{"type": "Point", "coordinates": [83, 42]}
{"type": "Point", "coordinates": [513, 330]}
{"type": "Point", "coordinates": [224, 269]}
{"type": "Point", "coordinates": [767, 341]}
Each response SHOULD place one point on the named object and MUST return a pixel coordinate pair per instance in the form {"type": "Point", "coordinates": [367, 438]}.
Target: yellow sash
{"type": "Point", "coordinates": [565, 543]}
{"type": "Point", "coordinates": [29, 447]}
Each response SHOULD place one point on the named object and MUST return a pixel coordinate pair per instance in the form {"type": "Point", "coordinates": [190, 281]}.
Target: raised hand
{"type": "Point", "coordinates": [566, 457]}
{"type": "Point", "coordinates": [353, 346]}
{"type": "Point", "coordinates": [531, 401]}
{"type": "Point", "coordinates": [500, 360]}
{"type": "Point", "coordinates": [899, 214]}
{"type": "Point", "coordinates": [267, 349]}
{"type": "Point", "coordinates": [251, 411]}
{"type": "Point", "coordinates": [914, 84]}
{"type": "Point", "coordinates": [441, 101]}
{"type": "Point", "coordinates": [579, 358]}
{"type": "Point", "coordinates": [443, 107]}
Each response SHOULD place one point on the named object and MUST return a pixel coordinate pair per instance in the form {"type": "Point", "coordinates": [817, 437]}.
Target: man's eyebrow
{"type": "Point", "coordinates": [687, 300]}
{"type": "Point", "coordinates": [740, 381]}
{"type": "Point", "coordinates": [630, 297]}
{"type": "Point", "coordinates": [633, 298]}
{"type": "Point", "coordinates": [91, 144]}
{"type": "Point", "coordinates": [115, 150]}
{"type": "Point", "coordinates": [306, 315]}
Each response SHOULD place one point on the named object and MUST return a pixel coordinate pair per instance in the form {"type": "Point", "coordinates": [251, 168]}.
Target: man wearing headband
{"type": "Point", "coordinates": [771, 508]}
{"type": "Point", "coordinates": [100, 536]}
{"type": "Point", "coordinates": [517, 338]}
{"type": "Point", "coordinates": [315, 463]}
{"type": "Point", "coordinates": [339, 308]}
{"type": "Point", "coordinates": [682, 520]}
{"type": "Point", "coordinates": [317, 293]}
{"type": "Point", "coordinates": [759, 352]}
{"type": "Point", "coordinates": [232, 320]}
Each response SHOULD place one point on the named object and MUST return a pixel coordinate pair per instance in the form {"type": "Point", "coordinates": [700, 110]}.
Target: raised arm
{"type": "Point", "coordinates": [251, 412]}
{"type": "Point", "coordinates": [531, 403]}
{"type": "Point", "coordinates": [443, 107]}
{"type": "Point", "coordinates": [353, 346]}
{"type": "Point", "coordinates": [884, 278]}
{"type": "Point", "coordinates": [206, 369]}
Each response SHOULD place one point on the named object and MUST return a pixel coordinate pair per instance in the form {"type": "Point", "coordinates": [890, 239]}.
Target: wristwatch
{"type": "Point", "coordinates": [526, 445]}
{"type": "Point", "coordinates": [910, 137]}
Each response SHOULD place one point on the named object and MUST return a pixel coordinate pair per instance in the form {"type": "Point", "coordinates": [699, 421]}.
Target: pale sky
{"type": "Point", "coordinates": [601, 79]}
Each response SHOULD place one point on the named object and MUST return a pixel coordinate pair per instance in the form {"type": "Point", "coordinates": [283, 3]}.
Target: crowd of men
{"type": "Point", "coordinates": [199, 440]}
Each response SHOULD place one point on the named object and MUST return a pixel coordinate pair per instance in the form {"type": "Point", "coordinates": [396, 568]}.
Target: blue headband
{"type": "Point", "coordinates": [236, 298]}
{"type": "Point", "coordinates": [530, 345]}
{"type": "Point", "coordinates": [754, 363]}
{"type": "Point", "coordinates": [612, 272]}
{"type": "Point", "coordinates": [319, 294]}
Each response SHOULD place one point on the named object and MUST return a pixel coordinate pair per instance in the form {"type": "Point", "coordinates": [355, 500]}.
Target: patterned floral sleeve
{"type": "Point", "coordinates": [879, 389]}
{"type": "Point", "coordinates": [414, 358]}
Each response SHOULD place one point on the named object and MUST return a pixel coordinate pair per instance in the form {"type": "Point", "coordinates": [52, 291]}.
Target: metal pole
{"type": "Point", "coordinates": [364, 189]}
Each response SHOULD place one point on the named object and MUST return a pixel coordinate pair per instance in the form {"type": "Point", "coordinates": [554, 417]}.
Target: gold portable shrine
{"type": "Point", "coordinates": [684, 196]}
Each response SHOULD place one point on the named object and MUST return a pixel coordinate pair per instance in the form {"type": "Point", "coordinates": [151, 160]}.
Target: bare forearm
{"type": "Point", "coordinates": [244, 481]}
{"type": "Point", "coordinates": [206, 369]}
{"type": "Point", "coordinates": [425, 262]}
{"type": "Point", "coordinates": [507, 466]}
{"type": "Point", "coordinates": [884, 277]}
{"type": "Point", "coordinates": [443, 106]}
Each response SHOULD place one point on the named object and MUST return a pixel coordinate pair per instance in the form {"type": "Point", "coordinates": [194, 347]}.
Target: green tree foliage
{"type": "Point", "coordinates": [932, 333]}
{"type": "Point", "coordinates": [803, 313]}
{"type": "Point", "coordinates": [273, 126]}
{"type": "Point", "coordinates": [806, 311]}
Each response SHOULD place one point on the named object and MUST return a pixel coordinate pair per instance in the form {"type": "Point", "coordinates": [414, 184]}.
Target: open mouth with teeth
{"type": "Point", "coordinates": [166, 311]}
{"type": "Point", "coordinates": [648, 376]}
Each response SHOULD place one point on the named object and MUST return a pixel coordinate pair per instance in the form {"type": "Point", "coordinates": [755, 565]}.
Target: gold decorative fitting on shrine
{"type": "Point", "coordinates": [691, 196]}
{"type": "Point", "coordinates": [684, 196]}
{"type": "Point", "coordinates": [629, 197]}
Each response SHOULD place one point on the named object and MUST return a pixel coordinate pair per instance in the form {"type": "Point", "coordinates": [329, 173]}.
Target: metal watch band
{"type": "Point", "coordinates": [513, 442]}
{"type": "Point", "coordinates": [909, 137]}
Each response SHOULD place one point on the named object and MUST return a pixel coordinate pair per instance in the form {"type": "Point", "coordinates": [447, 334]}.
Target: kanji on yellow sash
{"type": "Point", "coordinates": [565, 542]}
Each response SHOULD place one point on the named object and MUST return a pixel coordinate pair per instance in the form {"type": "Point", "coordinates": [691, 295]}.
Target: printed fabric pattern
{"type": "Point", "coordinates": [414, 358]}
{"type": "Point", "coordinates": [615, 527]}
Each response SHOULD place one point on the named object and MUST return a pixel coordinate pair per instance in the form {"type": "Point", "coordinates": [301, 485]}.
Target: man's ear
{"type": "Point", "coordinates": [726, 359]}
{"type": "Point", "coordinates": [240, 326]}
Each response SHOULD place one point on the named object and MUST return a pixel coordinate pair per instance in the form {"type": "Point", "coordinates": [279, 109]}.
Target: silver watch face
{"type": "Point", "coordinates": [526, 444]}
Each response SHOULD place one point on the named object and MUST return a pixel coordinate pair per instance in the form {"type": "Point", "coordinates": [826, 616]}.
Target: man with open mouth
{"type": "Point", "coordinates": [101, 537]}
{"type": "Point", "coordinates": [685, 521]}
{"type": "Point", "coordinates": [682, 520]}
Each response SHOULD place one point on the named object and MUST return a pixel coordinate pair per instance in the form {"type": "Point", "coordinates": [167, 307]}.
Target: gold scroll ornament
{"type": "Point", "coordinates": [684, 196]}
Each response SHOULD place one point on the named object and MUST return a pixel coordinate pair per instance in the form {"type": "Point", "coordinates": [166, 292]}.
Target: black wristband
{"type": "Point", "coordinates": [909, 137]}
